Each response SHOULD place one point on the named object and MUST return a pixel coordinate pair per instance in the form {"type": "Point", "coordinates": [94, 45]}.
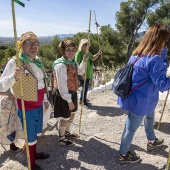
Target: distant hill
{"type": "Point", "coordinates": [42, 39]}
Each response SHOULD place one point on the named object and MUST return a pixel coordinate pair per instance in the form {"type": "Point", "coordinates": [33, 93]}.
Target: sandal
{"type": "Point", "coordinates": [65, 142]}
{"type": "Point", "coordinates": [69, 135]}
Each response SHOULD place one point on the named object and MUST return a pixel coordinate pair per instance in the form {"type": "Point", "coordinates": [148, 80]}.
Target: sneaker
{"type": "Point", "coordinates": [69, 135]}
{"type": "Point", "coordinates": [65, 142]}
{"type": "Point", "coordinates": [86, 106]}
{"type": "Point", "coordinates": [14, 148]}
{"type": "Point", "coordinates": [129, 158]}
{"type": "Point", "coordinates": [157, 142]}
{"type": "Point", "coordinates": [87, 100]}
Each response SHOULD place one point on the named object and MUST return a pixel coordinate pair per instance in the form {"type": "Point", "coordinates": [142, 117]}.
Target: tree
{"type": "Point", "coordinates": [160, 15]}
{"type": "Point", "coordinates": [130, 18]}
{"type": "Point", "coordinates": [113, 48]}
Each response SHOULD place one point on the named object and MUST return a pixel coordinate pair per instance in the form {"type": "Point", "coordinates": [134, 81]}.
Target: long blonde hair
{"type": "Point", "coordinates": [152, 42]}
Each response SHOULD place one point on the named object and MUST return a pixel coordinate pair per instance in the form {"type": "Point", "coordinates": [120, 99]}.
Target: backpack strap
{"type": "Point", "coordinates": [137, 59]}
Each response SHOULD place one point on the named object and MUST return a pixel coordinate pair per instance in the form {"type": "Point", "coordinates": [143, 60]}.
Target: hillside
{"type": "Point", "coordinates": [42, 39]}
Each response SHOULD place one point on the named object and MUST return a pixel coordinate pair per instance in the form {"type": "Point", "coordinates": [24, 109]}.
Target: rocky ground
{"type": "Point", "coordinates": [97, 148]}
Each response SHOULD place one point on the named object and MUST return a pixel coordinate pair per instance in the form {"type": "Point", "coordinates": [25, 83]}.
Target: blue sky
{"type": "Point", "coordinates": [51, 17]}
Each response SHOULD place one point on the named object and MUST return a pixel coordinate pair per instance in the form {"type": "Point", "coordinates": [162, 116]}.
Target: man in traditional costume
{"type": "Point", "coordinates": [66, 71]}
{"type": "Point", "coordinates": [33, 89]}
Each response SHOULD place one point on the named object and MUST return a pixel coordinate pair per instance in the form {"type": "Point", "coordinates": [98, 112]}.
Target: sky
{"type": "Point", "coordinates": [52, 17]}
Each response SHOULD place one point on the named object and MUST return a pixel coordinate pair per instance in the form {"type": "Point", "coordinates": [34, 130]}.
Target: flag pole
{"type": "Point", "coordinates": [84, 85]}
{"type": "Point", "coordinates": [20, 86]}
{"type": "Point", "coordinates": [98, 38]}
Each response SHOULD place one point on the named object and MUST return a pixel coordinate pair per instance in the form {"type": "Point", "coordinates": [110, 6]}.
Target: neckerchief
{"type": "Point", "coordinates": [65, 61]}
{"type": "Point", "coordinates": [23, 57]}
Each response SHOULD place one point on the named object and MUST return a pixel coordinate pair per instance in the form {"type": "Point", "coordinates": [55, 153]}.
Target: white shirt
{"type": "Point", "coordinates": [61, 72]}
{"type": "Point", "coordinates": [7, 79]}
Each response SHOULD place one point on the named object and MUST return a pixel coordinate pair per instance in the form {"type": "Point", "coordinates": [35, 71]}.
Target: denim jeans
{"type": "Point", "coordinates": [132, 123]}
{"type": "Point", "coordinates": [86, 89]}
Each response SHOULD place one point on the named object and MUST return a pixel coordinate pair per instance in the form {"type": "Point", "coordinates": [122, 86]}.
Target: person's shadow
{"type": "Point", "coordinates": [89, 154]}
{"type": "Point", "coordinates": [164, 127]}
{"type": "Point", "coordinates": [10, 155]}
{"type": "Point", "coordinates": [107, 110]}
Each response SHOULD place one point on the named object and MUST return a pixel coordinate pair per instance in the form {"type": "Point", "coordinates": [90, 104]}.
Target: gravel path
{"type": "Point", "coordinates": [98, 145]}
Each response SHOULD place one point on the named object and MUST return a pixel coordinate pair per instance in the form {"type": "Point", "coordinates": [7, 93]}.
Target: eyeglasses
{"type": "Point", "coordinates": [71, 50]}
{"type": "Point", "coordinates": [29, 43]}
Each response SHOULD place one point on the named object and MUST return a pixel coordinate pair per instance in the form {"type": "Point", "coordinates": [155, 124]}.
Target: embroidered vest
{"type": "Point", "coordinates": [72, 78]}
{"type": "Point", "coordinates": [29, 84]}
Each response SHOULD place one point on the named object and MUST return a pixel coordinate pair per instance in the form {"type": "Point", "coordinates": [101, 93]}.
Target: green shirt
{"type": "Point", "coordinates": [79, 57]}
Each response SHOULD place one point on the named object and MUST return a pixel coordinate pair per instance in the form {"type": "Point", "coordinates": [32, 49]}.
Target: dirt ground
{"type": "Point", "coordinates": [97, 148]}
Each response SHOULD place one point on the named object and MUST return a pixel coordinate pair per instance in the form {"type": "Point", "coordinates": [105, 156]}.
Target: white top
{"type": "Point", "coordinates": [61, 72]}
{"type": "Point", "coordinates": [7, 79]}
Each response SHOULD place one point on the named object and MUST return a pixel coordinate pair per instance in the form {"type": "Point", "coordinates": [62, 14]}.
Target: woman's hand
{"type": "Point", "coordinates": [71, 106]}
{"type": "Point", "coordinates": [83, 76]}
{"type": "Point", "coordinates": [11, 96]}
{"type": "Point", "coordinates": [85, 57]}
{"type": "Point", "coordinates": [99, 52]}
{"type": "Point", "coordinates": [46, 105]}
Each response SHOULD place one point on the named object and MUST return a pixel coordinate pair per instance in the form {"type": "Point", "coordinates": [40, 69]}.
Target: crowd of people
{"type": "Point", "coordinates": [59, 86]}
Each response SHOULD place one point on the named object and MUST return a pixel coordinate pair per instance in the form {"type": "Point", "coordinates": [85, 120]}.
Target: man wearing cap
{"type": "Point", "coordinates": [33, 89]}
{"type": "Point", "coordinates": [89, 72]}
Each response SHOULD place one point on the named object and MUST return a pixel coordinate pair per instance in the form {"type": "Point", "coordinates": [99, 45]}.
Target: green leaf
{"type": "Point", "coordinates": [20, 3]}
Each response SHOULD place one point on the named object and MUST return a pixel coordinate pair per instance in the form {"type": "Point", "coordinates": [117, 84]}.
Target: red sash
{"type": "Point", "coordinates": [29, 105]}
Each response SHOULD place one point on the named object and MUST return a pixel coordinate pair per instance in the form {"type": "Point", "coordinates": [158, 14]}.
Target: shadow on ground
{"type": "Point", "coordinates": [95, 153]}
{"type": "Point", "coordinates": [107, 110]}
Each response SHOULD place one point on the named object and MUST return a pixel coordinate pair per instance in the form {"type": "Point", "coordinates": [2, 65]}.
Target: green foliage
{"type": "Point", "coordinates": [160, 16]}
{"type": "Point", "coordinates": [6, 53]}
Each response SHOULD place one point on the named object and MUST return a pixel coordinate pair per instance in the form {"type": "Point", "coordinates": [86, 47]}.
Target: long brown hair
{"type": "Point", "coordinates": [152, 42]}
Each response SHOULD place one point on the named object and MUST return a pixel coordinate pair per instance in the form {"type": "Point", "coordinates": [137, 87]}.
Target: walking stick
{"type": "Point", "coordinates": [20, 85]}
{"type": "Point", "coordinates": [84, 85]}
{"type": "Point", "coordinates": [98, 38]}
{"type": "Point", "coordinates": [163, 110]}
{"type": "Point", "coordinates": [168, 161]}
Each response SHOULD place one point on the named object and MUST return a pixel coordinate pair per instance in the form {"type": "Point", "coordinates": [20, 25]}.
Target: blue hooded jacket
{"type": "Point", "coordinates": [151, 71]}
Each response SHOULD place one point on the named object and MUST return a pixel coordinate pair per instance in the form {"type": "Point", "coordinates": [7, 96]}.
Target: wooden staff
{"type": "Point", "coordinates": [163, 110]}
{"type": "Point", "coordinates": [84, 85]}
{"type": "Point", "coordinates": [168, 161]}
{"type": "Point", "coordinates": [98, 38]}
{"type": "Point", "coordinates": [20, 85]}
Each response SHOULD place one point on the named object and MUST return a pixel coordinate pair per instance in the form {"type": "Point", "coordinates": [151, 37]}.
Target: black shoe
{"type": "Point", "coordinates": [129, 158]}
{"type": "Point", "coordinates": [14, 148]}
{"type": "Point", "coordinates": [69, 135]}
{"type": "Point", "coordinates": [43, 156]}
{"type": "Point", "coordinates": [157, 142]}
{"type": "Point", "coordinates": [37, 167]}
